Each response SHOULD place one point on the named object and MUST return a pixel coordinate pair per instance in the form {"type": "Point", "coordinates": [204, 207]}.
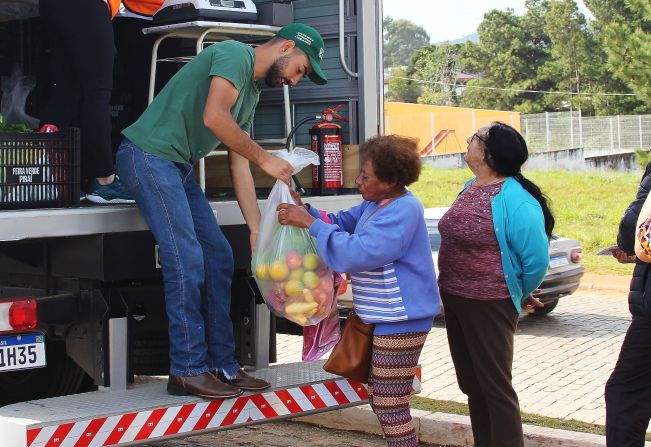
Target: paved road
{"type": "Point", "coordinates": [281, 434]}
{"type": "Point", "coordinates": [561, 364]}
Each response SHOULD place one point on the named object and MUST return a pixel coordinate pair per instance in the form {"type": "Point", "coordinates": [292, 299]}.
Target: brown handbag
{"type": "Point", "coordinates": [351, 356]}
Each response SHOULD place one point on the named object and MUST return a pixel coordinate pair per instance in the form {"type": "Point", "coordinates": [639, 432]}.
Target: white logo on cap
{"type": "Point", "coordinates": [321, 52]}
{"type": "Point", "coordinates": [304, 38]}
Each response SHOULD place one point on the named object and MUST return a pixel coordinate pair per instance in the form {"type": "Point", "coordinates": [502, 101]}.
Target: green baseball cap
{"type": "Point", "coordinates": [310, 41]}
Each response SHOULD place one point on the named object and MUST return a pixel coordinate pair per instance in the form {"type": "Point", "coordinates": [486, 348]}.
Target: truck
{"type": "Point", "coordinates": [82, 315]}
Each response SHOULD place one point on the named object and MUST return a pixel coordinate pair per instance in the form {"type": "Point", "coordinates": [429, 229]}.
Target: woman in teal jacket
{"type": "Point", "coordinates": [494, 254]}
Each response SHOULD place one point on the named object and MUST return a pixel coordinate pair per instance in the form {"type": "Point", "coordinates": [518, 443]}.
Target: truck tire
{"type": "Point", "coordinates": [61, 376]}
{"type": "Point", "coordinates": [541, 311]}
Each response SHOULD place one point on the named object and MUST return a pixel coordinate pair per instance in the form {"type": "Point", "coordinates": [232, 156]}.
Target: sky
{"type": "Point", "coordinates": [451, 22]}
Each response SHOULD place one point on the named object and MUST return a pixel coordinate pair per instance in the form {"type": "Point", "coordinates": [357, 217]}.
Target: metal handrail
{"type": "Point", "coordinates": [344, 65]}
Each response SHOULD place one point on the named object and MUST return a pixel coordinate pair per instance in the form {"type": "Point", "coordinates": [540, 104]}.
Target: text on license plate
{"type": "Point", "coordinates": [22, 352]}
{"type": "Point", "coordinates": [558, 261]}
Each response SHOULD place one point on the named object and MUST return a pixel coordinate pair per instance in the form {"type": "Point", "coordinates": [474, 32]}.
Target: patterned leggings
{"type": "Point", "coordinates": [393, 367]}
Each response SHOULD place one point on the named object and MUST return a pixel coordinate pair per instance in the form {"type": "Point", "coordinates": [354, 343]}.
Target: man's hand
{"type": "Point", "coordinates": [623, 257]}
{"type": "Point", "coordinates": [277, 168]}
{"type": "Point", "coordinates": [294, 215]}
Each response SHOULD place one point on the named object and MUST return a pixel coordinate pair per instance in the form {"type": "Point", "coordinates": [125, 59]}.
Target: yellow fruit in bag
{"type": "Point", "coordinates": [310, 261]}
{"type": "Point", "coordinates": [307, 294]}
{"type": "Point", "coordinates": [300, 312]}
{"type": "Point", "coordinates": [301, 308]}
{"type": "Point", "coordinates": [296, 274]}
{"type": "Point", "coordinates": [278, 270]}
{"type": "Point", "coordinates": [310, 279]}
{"type": "Point", "coordinates": [293, 288]}
{"type": "Point", "coordinates": [262, 272]}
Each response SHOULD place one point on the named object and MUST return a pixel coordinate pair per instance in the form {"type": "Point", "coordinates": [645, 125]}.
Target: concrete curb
{"type": "Point", "coordinates": [597, 286]}
{"type": "Point", "coordinates": [447, 429]}
{"type": "Point", "coordinates": [615, 283]}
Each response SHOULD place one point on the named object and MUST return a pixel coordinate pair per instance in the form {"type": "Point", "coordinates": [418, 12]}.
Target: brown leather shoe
{"type": "Point", "coordinates": [203, 385]}
{"type": "Point", "coordinates": [245, 381]}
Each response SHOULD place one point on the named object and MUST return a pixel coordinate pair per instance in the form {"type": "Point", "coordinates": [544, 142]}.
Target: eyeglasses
{"type": "Point", "coordinates": [476, 135]}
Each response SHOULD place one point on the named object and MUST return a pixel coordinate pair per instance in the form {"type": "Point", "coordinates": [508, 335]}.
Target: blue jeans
{"type": "Point", "coordinates": [195, 257]}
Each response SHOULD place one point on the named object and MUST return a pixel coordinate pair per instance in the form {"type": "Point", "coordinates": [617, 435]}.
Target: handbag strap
{"type": "Point", "coordinates": [382, 206]}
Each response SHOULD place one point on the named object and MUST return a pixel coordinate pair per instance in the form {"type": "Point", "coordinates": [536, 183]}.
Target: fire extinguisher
{"type": "Point", "coordinates": [326, 140]}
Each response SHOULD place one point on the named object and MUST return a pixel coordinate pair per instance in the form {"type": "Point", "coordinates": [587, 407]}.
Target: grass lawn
{"type": "Point", "coordinates": [444, 406]}
{"type": "Point", "coordinates": [587, 205]}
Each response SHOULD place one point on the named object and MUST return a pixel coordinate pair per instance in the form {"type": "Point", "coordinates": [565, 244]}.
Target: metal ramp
{"type": "Point", "coordinates": [145, 412]}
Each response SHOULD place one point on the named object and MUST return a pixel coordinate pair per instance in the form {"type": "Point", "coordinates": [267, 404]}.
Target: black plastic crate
{"type": "Point", "coordinates": [39, 170]}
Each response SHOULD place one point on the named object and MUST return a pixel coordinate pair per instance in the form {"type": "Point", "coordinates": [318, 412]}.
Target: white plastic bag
{"type": "Point", "coordinates": [294, 281]}
{"type": "Point", "coordinates": [15, 90]}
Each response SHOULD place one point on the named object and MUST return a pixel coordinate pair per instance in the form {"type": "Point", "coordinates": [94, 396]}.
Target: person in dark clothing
{"type": "Point", "coordinates": [134, 51]}
{"type": "Point", "coordinates": [134, 60]}
{"type": "Point", "coordinates": [80, 35]}
{"type": "Point", "coordinates": [628, 390]}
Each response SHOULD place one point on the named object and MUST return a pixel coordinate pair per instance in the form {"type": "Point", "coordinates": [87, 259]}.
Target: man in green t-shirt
{"type": "Point", "coordinates": [209, 101]}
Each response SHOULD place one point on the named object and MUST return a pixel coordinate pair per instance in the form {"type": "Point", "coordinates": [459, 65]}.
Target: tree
{"type": "Point", "coordinates": [438, 66]}
{"type": "Point", "coordinates": [505, 59]}
{"type": "Point", "coordinates": [401, 39]}
{"type": "Point", "coordinates": [575, 52]}
{"type": "Point", "coordinates": [401, 88]}
{"type": "Point", "coordinates": [551, 47]}
{"type": "Point", "coordinates": [627, 39]}
{"type": "Point", "coordinates": [607, 12]}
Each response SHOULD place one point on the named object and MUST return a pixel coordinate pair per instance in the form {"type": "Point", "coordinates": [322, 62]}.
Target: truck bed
{"type": "Point", "coordinates": [46, 223]}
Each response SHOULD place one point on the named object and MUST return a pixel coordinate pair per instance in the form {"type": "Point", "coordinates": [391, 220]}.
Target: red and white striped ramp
{"type": "Point", "coordinates": [146, 413]}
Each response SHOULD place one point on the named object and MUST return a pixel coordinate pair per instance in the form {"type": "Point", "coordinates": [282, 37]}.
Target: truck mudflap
{"type": "Point", "coordinates": [145, 412]}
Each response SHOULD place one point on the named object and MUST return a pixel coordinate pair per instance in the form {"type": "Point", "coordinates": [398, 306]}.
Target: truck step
{"type": "Point", "coordinates": [146, 413]}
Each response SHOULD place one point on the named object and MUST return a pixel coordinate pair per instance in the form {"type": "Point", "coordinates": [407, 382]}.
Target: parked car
{"type": "Point", "coordinates": [563, 275]}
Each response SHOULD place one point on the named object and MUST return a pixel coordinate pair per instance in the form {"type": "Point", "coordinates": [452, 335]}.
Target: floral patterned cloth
{"type": "Point", "coordinates": [644, 236]}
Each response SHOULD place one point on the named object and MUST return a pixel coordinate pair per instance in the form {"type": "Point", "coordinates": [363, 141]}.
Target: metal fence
{"type": "Point", "coordinates": [597, 135]}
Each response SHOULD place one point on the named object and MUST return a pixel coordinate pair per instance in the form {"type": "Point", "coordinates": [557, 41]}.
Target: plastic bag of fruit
{"type": "Point", "coordinates": [294, 282]}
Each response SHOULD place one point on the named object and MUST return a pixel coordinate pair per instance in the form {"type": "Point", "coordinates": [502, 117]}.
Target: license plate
{"type": "Point", "coordinates": [22, 352]}
{"type": "Point", "coordinates": [558, 261]}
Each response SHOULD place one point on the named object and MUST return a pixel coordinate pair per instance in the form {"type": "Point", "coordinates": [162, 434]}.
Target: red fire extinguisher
{"type": "Point", "coordinates": [326, 139]}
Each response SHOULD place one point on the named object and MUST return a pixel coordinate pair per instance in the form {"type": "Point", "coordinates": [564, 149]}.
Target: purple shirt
{"type": "Point", "coordinates": [470, 262]}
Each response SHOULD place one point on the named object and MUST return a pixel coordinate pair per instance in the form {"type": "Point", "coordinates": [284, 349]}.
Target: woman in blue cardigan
{"type": "Point", "coordinates": [384, 245]}
{"type": "Point", "coordinates": [494, 254]}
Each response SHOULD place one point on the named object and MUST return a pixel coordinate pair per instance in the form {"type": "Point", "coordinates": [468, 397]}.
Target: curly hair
{"type": "Point", "coordinates": [394, 158]}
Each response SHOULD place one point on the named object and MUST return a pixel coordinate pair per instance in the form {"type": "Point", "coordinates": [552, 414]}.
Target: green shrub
{"type": "Point", "coordinates": [642, 158]}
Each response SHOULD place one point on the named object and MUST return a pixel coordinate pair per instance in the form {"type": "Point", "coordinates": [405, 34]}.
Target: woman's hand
{"type": "Point", "coordinates": [532, 302]}
{"type": "Point", "coordinates": [296, 197]}
{"type": "Point", "coordinates": [294, 215]}
{"type": "Point", "coordinates": [623, 257]}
